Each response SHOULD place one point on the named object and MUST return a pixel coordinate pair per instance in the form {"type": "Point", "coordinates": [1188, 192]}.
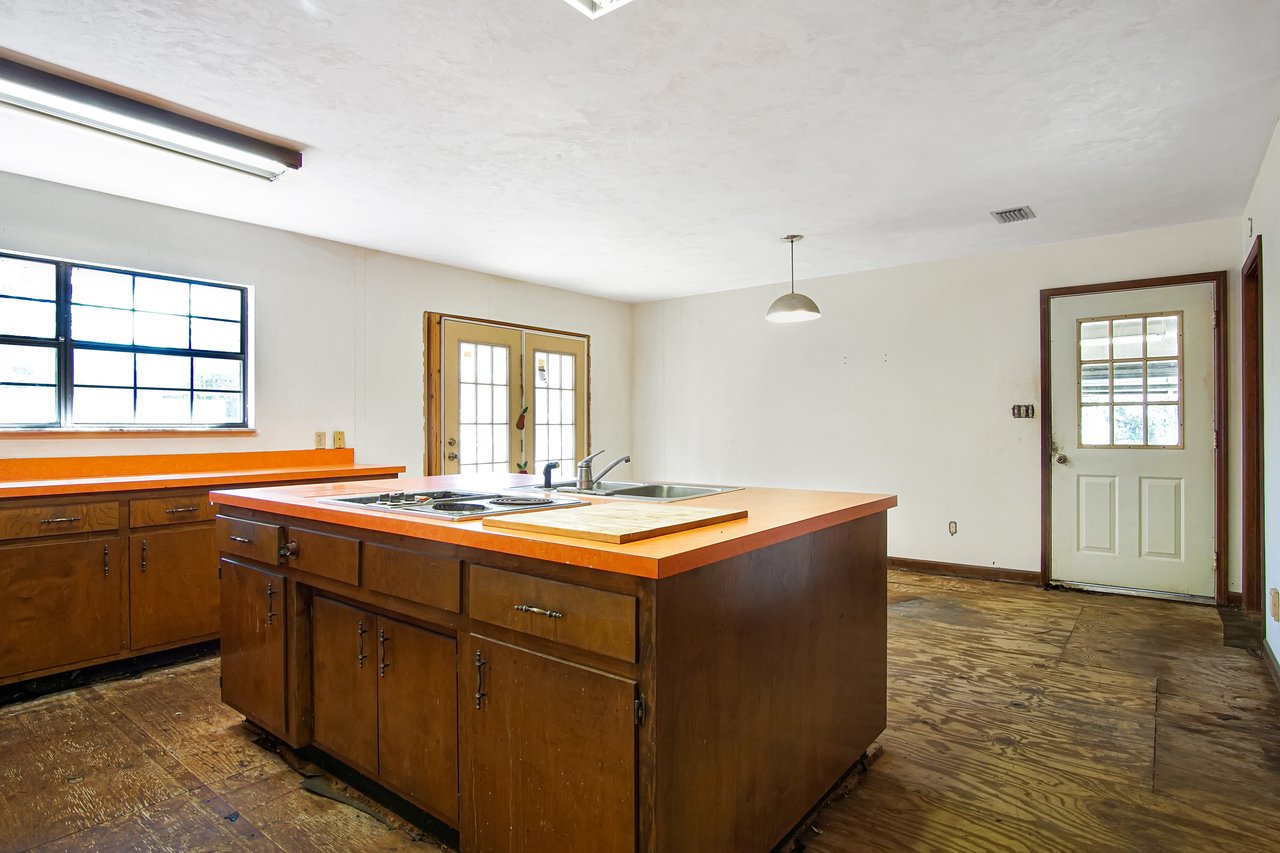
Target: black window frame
{"type": "Point", "coordinates": [65, 347]}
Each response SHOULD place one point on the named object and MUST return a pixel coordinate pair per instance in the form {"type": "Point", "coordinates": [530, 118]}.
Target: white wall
{"type": "Point", "coordinates": [904, 386]}
{"type": "Point", "coordinates": [1264, 208]}
{"type": "Point", "coordinates": [338, 334]}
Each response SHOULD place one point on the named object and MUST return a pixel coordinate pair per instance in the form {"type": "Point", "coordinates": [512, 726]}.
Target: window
{"type": "Point", "coordinates": [90, 347]}
{"type": "Point", "coordinates": [509, 399]}
{"type": "Point", "coordinates": [1131, 381]}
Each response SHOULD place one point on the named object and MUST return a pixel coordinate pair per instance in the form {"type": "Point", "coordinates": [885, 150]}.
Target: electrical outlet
{"type": "Point", "coordinates": [1275, 605]}
{"type": "Point", "coordinates": [321, 441]}
{"type": "Point", "coordinates": [339, 438]}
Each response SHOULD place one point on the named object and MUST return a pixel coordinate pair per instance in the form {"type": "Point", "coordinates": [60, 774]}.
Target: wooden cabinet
{"type": "Point", "coordinates": [384, 699]}
{"type": "Point", "coordinates": [61, 603]}
{"type": "Point", "coordinates": [173, 587]}
{"type": "Point", "coordinates": [548, 754]}
{"type": "Point", "coordinates": [253, 643]}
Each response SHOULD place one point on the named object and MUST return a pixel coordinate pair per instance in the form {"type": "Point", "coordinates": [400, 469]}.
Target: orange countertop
{"type": "Point", "coordinates": [40, 477]}
{"type": "Point", "coordinates": [773, 515]}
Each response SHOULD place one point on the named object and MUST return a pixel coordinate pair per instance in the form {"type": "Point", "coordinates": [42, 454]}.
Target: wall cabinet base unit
{"type": "Point", "coordinates": [546, 707]}
{"type": "Point", "coordinates": [89, 579]}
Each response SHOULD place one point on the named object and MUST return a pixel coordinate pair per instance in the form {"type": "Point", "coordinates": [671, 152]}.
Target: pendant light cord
{"type": "Point", "coordinates": [793, 266]}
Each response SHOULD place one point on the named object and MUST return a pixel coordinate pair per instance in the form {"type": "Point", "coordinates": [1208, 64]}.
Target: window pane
{"type": "Point", "coordinates": [28, 404]}
{"type": "Point", "coordinates": [553, 370]}
{"type": "Point", "coordinates": [163, 371]}
{"type": "Point", "coordinates": [215, 335]}
{"type": "Point", "coordinates": [1128, 382]}
{"type": "Point", "coordinates": [218, 408]}
{"type": "Point", "coordinates": [501, 447]}
{"type": "Point", "coordinates": [104, 325]}
{"type": "Point", "coordinates": [161, 296]}
{"type": "Point", "coordinates": [1162, 425]}
{"type": "Point", "coordinates": [218, 374]}
{"type": "Point", "coordinates": [484, 363]}
{"type": "Point", "coordinates": [467, 362]}
{"type": "Point", "coordinates": [539, 405]}
{"type": "Point", "coordinates": [1162, 381]}
{"type": "Point", "coordinates": [566, 407]}
{"type": "Point", "coordinates": [467, 444]}
{"type": "Point", "coordinates": [32, 279]}
{"type": "Point", "coordinates": [99, 287]}
{"type": "Point", "coordinates": [1095, 425]}
{"type": "Point", "coordinates": [1095, 383]}
{"type": "Point", "coordinates": [103, 405]}
{"type": "Point", "coordinates": [500, 364]}
{"type": "Point", "coordinates": [484, 403]}
{"type": "Point", "coordinates": [540, 372]}
{"type": "Point", "coordinates": [101, 367]}
{"type": "Point", "coordinates": [26, 318]}
{"type": "Point", "coordinates": [164, 407]}
{"type": "Point", "coordinates": [161, 330]}
{"type": "Point", "coordinates": [500, 405]}
{"type": "Point", "coordinates": [1126, 341]}
{"type": "Point", "coordinates": [1162, 336]}
{"type": "Point", "coordinates": [28, 364]}
{"type": "Point", "coordinates": [1128, 425]}
{"type": "Point", "coordinates": [566, 371]}
{"type": "Point", "coordinates": [1095, 341]}
{"type": "Point", "coordinates": [219, 302]}
{"type": "Point", "coordinates": [467, 403]}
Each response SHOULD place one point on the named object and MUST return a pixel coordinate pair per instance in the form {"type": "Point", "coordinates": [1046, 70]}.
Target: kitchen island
{"type": "Point", "coordinates": [699, 691]}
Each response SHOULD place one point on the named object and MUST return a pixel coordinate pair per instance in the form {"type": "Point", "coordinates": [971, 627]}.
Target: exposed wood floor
{"type": "Point", "coordinates": [1018, 720]}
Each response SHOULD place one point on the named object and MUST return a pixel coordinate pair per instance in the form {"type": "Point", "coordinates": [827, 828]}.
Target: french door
{"type": "Point", "coordinates": [511, 399]}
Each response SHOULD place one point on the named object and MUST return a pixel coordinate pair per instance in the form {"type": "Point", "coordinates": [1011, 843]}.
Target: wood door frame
{"type": "Point", "coordinates": [1251, 446]}
{"type": "Point", "coordinates": [433, 365]}
{"type": "Point", "coordinates": [1219, 347]}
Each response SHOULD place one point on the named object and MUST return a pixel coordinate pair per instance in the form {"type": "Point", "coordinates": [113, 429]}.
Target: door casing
{"type": "Point", "coordinates": [1219, 283]}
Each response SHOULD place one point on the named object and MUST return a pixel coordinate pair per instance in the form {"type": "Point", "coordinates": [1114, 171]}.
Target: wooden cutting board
{"type": "Point", "coordinates": [618, 522]}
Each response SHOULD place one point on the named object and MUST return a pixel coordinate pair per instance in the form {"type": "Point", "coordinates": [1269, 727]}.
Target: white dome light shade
{"type": "Point", "coordinates": [792, 308]}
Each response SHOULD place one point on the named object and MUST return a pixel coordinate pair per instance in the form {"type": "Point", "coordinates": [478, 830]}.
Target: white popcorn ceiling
{"type": "Point", "coordinates": [663, 149]}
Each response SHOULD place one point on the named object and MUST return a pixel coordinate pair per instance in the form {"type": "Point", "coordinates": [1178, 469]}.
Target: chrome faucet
{"type": "Point", "coordinates": [587, 481]}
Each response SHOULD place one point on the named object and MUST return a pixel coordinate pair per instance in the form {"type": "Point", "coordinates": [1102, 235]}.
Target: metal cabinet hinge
{"type": "Point", "coordinates": [641, 708]}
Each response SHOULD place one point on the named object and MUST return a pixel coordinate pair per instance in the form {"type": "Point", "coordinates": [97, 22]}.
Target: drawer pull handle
{"type": "Point", "coordinates": [172, 510]}
{"type": "Point", "coordinates": [480, 665]}
{"type": "Point", "coordinates": [382, 652]}
{"type": "Point", "coordinates": [66, 520]}
{"type": "Point", "coordinates": [538, 611]}
{"type": "Point", "coordinates": [271, 613]}
{"type": "Point", "coordinates": [361, 630]}
{"type": "Point", "coordinates": [144, 555]}
{"type": "Point", "coordinates": [245, 539]}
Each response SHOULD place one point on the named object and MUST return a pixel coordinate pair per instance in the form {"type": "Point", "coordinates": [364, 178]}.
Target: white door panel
{"type": "Point", "coordinates": [1133, 497]}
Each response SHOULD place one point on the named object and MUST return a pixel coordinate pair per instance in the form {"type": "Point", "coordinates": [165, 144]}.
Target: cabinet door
{"type": "Point", "coordinates": [173, 587]}
{"type": "Point", "coordinates": [549, 751]}
{"type": "Point", "coordinates": [60, 604]}
{"type": "Point", "coordinates": [418, 715]}
{"type": "Point", "coordinates": [253, 632]}
{"type": "Point", "coordinates": [344, 677]}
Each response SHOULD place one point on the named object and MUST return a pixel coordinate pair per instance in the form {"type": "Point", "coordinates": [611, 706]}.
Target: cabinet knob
{"type": "Point", "coordinates": [290, 549]}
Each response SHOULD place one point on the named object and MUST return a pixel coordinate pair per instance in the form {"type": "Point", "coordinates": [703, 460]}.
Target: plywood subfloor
{"type": "Point", "coordinates": [1019, 719]}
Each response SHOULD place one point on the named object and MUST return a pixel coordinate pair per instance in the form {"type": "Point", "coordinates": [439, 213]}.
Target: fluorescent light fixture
{"type": "Point", "coordinates": [79, 103]}
{"type": "Point", "coordinates": [595, 8]}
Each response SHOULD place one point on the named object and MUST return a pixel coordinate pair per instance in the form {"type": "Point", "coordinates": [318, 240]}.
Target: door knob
{"type": "Point", "coordinates": [453, 457]}
{"type": "Point", "coordinates": [1061, 459]}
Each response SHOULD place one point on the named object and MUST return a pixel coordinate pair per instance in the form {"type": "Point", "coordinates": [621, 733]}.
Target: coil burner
{"type": "Point", "coordinates": [522, 501]}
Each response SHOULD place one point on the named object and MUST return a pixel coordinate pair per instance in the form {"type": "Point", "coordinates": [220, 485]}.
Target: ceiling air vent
{"type": "Point", "coordinates": [1013, 214]}
{"type": "Point", "coordinates": [595, 8]}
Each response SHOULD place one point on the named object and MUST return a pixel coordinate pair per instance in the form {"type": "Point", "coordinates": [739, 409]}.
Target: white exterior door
{"type": "Point", "coordinates": [1132, 376]}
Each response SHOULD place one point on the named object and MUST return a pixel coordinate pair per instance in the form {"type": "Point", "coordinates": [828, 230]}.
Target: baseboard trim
{"type": "Point", "coordinates": [1273, 665]}
{"type": "Point", "coordinates": [1234, 599]}
{"type": "Point", "coordinates": [963, 570]}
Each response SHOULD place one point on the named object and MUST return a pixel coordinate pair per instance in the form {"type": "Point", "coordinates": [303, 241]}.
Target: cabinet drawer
{"type": "Point", "coordinates": [56, 519]}
{"type": "Point", "coordinates": [324, 554]}
{"type": "Point", "coordinates": [251, 539]}
{"type": "Point", "coordinates": [433, 581]}
{"type": "Point", "coordinates": [591, 619]}
{"type": "Point", "coordinates": [150, 512]}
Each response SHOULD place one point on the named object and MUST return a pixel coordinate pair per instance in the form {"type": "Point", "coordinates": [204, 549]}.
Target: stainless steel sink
{"type": "Point", "coordinates": [655, 492]}
{"type": "Point", "coordinates": [667, 491]}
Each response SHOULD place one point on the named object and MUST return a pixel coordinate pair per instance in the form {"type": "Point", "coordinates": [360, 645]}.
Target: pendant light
{"type": "Point", "coordinates": [792, 307]}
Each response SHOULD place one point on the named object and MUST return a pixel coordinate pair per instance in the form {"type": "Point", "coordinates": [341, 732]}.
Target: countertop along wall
{"type": "Point", "coordinates": [905, 386]}
{"type": "Point", "coordinates": [337, 328]}
{"type": "Point", "coordinates": [1264, 208]}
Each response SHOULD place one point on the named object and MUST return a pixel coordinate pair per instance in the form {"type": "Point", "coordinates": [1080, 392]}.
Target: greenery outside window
{"type": "Point", "coordinates": [90, 347]}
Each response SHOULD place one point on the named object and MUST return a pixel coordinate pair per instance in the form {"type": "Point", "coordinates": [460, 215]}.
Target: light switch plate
{"type": "Point", "coordinates": [320, 441]}
{"type": "Point", "coordinates": [339, 438]}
